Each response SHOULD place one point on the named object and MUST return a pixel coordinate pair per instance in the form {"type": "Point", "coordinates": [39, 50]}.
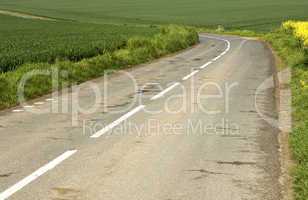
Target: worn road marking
{"type": "Point", "coordinates": [17, 110]}
{"type": "Point", "coordinates": [28, 106]}
{"type": "Point", "coordinates": [117, 122]}
{"type": "Point", "coordinates": [162, 93]}
{"type": "Point", "coordinates": [206, 64]}
{"type": "Point", "coordinates": [39, 103]}
{"type": "Point", "coordinates": [49, 166]}
{"type": "Point", "coordinates": [216, 38]}
{"type": "Point", "coordinates": [190, 75]}
{"type": "Point", "coordinates": [220, 55]}
{"type": "Point", "coordinates": [196, 71]}
{"type": "Point", "coordinates": [216, 58]}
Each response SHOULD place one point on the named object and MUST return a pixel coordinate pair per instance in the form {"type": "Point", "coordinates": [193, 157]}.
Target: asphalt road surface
{"type": "Point", "coordinates": [185, 127]}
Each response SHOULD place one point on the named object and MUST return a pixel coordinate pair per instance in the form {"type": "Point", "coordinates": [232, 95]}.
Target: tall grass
{"type": "Point", "coordinates": [292, 51]}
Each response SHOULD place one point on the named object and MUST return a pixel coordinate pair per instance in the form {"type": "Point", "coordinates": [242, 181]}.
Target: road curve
{"type": "Point", "coordinates": [186, 126]}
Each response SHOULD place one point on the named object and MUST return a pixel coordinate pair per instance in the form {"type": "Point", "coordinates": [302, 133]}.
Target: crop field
{"type": "Point", "coordinates": [248, 14]}
{"type": "Point", "coordinates": [24, 40]}
{"type": "Point", "coordinates": [86, 28]}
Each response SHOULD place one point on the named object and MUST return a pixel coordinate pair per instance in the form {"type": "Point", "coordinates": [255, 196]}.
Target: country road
{"type": "Point", "coordinates": [184, 127]}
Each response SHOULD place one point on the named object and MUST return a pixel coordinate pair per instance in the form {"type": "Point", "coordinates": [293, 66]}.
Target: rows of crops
{"type": "Point", "coordinates": [299, 29]}
{"type": "Point", "coordinates": [24, 40]}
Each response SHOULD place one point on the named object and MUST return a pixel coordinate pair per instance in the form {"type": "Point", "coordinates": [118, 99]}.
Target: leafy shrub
{"type": "Point", "coordinates": [299, 29]}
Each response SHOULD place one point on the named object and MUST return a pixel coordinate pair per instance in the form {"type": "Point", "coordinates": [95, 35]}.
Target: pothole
{"type": "Point", "coordinates": [5, 175]}
{"type": "Point", "coordinates": [149, 88]}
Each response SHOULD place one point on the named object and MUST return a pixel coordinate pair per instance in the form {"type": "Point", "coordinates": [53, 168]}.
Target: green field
{"type": "Point", "coordinates": [24, 40]}
{"type": "Point", "coordinates": [249, 14]}
{"type": "Point", "coordinates": [86, 28]}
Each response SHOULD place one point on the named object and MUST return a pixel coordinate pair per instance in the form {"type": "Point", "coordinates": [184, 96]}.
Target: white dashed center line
{"type": "Point", "coordinates": [206, 64]}
{"type": "Point", "coordinates": [10, 191]}
{"type": "Point", "coordinates": [28, 106]}
{"type": "Point", "coordinates": [19, 185]}
{"type": "Point", "coordinates": [39, 103]}
{"type": "Point", "coordinates": [162, 93]}
{"type": "Point", "coordinates": [117, 122]}
{"type": "Point", "coordinates": [190, 75]}
{"type": "Point", "coordinates": [17, 110]}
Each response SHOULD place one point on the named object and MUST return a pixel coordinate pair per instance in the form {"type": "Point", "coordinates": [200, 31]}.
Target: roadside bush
{"type": "Point", "coordinates": [123, 57]}
{"type": "Point", "coordinates": [299, 29]}
{"type": "Point", "coordinates": [288, 47]}
{"type": "Point", "coordinates": [138, 42]}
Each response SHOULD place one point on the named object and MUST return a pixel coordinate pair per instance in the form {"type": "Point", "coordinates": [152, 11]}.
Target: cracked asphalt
{"type": "Point", "coordinates": [204, 139]}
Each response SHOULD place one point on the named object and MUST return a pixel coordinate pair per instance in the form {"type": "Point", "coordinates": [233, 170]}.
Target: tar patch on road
{"type": "Point", "coordinates": [5, 175]}
{"type": "Point", "coordinates": [66, 193]}
{"type": "Point", "coordinates": [235, 163]}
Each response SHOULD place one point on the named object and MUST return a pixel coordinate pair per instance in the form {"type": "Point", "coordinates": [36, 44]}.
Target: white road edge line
{"type": "Point", "coordinates": [162, 93]}
{"type": "Point", "coordinates": [49, 166]}
{"type": "Point", "coordinates": [190, 75]}
{"type": "Point", "coordinates": [117, 122]}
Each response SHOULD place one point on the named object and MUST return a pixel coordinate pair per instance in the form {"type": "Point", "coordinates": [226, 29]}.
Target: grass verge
{"type": "Point", "coordinates": [136, 50]}
{"type": "Point", "coordinates": [295, 56]}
